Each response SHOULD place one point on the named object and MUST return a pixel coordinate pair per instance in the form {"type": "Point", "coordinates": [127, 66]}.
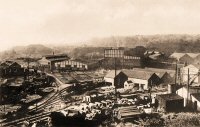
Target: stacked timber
{"type": "Point", "coordinates": [126, 112]}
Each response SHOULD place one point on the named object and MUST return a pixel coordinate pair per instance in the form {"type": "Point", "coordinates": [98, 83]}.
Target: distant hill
{"type": "Point", "coordinates": [119, 41]}
{"type": "Point", "coordinates": [94, 48]}
{"type": "Point", "coordinates": [166, 43]}
{"type": "Point", "coordinates": [38, 50]}
{"type": "Point", "coordinates": [87, 53]}
{"type": "Point", "coordinates": [35, 51]}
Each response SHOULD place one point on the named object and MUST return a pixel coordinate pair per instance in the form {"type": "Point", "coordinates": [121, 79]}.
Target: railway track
{"type": "Point", "coordinates": [49, 100]}
{"type": "Point", "coordinates": [40, 113]}
{"type": "Point", "coordinates": [28, 118]}
{"type": "Point", "coordinates": [39, 116]}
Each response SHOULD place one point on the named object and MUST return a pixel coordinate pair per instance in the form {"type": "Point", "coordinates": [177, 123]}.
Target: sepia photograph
{"type": "Point", "coordinates": [99, 63]}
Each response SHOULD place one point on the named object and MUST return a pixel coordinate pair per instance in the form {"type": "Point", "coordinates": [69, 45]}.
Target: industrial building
{"type": "Point", "coordinates": [141, 79]}
{"type": "Point", "coordinates": [48, 62]}
{"type": "Point", "coordinates": [166, 76]}
{"type": "Point", "coordinates": [191, 71]}
{"type": "Point", "coordinates": [11, 68]}
{"type": "Point", "coordinates": [195, 99]}
{"type": "Point", "coordinates": [110, 76]}
{"type": "Point", "coordinates": [186, 93]}
{"type": "Point", "coordinates": [187, 58]}
{"type": "Point", "coordinates": [170, 102]}
{"type": "Point", "coordinates": [70, 65]}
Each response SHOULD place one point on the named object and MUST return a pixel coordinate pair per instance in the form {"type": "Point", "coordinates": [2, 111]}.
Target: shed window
{"type": "Point", "coordinates": [136, 85]}
{"type": "Point", "coordinates": [142, 86]}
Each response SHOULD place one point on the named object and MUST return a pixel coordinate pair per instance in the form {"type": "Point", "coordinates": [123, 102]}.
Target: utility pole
{"type": "Point", "coordinates": [35, 103]}
{"type": "Point", "coordinates": [188, 83]}
{"type": "Point", "coordinates": [28, 68]}
{"type": "Point", "coordinates": [176, 74]}
{"type": "Point", "coordinates": [180, 76]}
{"type": "Point", "coordinates": [113, 54]}
{"type": "Point", "coordinates": [150, 90]}
{"type": "Point", "coordinates": [115, 67]}
{"type": "Point", "coordinates": [114, 79]}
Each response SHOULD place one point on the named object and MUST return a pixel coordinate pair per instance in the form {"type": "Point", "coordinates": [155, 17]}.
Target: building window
{"type": "Point", "coordinates": [58, 65]}
{"type": "Point", "coordinates": [15, 70]}
{"type": "Point", "coordinates": [136, 86]}
{"type": "Point", "coordinates": [142, 86]}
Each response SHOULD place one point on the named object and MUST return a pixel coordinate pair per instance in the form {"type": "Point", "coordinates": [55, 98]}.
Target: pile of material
{"type": "Point", "coordinates": [126, 112]}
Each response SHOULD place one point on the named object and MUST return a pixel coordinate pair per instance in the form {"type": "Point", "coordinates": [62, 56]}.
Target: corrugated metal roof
{"type": "Point", "coordinates": [170, 96]}
{"type": "Point", "coordinates": [193, 55]}
{"type": "Point", "coordinates": [159, 72]}
{"type": "Point", "coordinates": [8, 63]}
{"type": "Point", "coordinates": [177, 55]}
{"type": "Point", "coordinates": [138, 74]}
{"type": "Point", "coordinates": [57, 57]}
{"type": "Point", "coordinates": [111, 74]}
{"type": "Point", "coordinates": [197, 65]}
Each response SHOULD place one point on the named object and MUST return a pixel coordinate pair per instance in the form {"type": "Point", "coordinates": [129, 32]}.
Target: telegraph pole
{"type": "Point", "coordinates": [176, 74]}
{"type": "Point", "coordinates": [150, 89]}
{"type": "Point", "coordinates": [180, 76]}
{"type": "Point", "coordinates": [115, 67]}
{"type": "Point", "coordinates": [114, 53]}
{"type": "Point", "coordinates": [114, 79]}
{"type": "Point", "coordinates": [28, 68]}
{"type": "Point", "coordinates": [188, 83]}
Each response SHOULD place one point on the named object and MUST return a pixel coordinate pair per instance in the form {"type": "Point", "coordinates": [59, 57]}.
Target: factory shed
{"type": "Point", "coordinates": [170, 102]}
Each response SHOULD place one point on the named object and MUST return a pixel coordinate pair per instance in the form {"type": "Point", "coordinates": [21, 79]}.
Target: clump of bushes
{"type": "Point", "coordinates": [152, 121]}
{"type": "Point", "coordinates": [182, 120]}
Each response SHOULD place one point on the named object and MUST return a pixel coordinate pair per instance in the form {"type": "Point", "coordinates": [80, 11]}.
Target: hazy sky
{"type": "Point", "coordinates": [24, 22]}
